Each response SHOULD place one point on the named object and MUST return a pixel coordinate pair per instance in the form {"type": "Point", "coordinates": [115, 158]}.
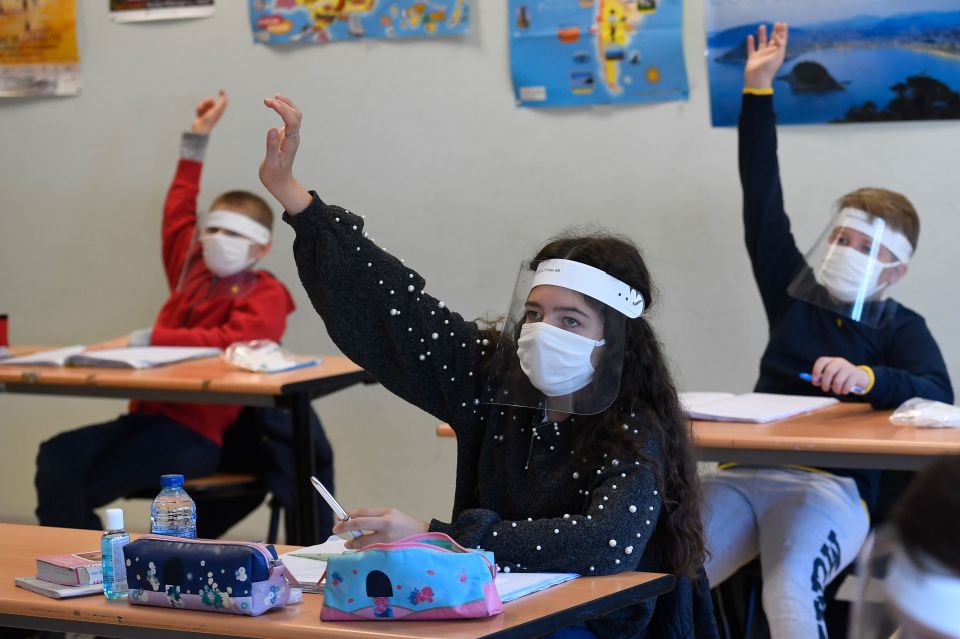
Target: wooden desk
{"type": "Point", "coordinates": [208, 381]}
{"type": "Point", "coordinates": [531, 616]}
{"type": "Point", "coordinates": [842, 436]}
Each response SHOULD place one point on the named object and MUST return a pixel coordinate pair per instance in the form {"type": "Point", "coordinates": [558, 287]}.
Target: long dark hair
{"type": "Point", "coordinates": [647, 398]}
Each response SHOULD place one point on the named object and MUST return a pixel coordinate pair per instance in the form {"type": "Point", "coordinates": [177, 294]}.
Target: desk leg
{"type": "Point", "coordinates": [306, 514]}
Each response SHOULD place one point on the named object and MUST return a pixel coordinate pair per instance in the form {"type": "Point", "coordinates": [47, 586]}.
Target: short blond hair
{"type": "Point", "coordinates": [248, 203]}
{"type": "Point", "coordinates": [891, 207]}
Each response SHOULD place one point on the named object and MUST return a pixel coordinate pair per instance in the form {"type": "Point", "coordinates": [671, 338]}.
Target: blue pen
{"type": "Point", "coordinates": [856, 390]}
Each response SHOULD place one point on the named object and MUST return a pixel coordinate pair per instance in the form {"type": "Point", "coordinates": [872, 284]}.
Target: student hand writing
{"type": "Point", "coordinates": [209, 111]}
{"type": "Point", "coordinates": [838, 375]}
{"type": "Point", "coordinates": [765, 57]}
{"type": "Point", "coordinates": [117, 342]}
{"type": "Point", "coordinates": [387, 524]}
{"type": "Point", "coordinates": [276, 170]}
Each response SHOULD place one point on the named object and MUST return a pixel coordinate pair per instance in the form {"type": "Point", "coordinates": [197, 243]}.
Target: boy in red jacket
{"type": "Point", "coordinates": [216, 299]}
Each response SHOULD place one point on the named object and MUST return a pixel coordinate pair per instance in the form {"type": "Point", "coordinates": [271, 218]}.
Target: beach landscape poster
{"type": "Point", "coordinates": [847, 60]}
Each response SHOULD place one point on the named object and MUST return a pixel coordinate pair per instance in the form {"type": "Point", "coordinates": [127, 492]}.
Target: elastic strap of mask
{"type": "Point", "coordinates": [867, 224]}
{"type": "Point", "coordinates": [591, 281]}
{"type": "Point", "coordinates": [240, 224]}
{"type": "Point", "coordinates": [928, 594]}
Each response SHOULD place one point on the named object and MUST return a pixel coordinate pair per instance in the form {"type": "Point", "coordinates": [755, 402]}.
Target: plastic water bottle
{"type": "Point", "coordinates": [111, 553]}
{"type": "Point", "coordinates": [173, 512]}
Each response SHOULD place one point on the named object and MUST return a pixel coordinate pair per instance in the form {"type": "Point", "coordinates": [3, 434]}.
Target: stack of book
{"type": "Point", "coordinates": [67, 575]}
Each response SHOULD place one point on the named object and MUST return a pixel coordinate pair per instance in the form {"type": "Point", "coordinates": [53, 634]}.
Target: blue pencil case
{"type": "Point", "coordinates": [244, 578]}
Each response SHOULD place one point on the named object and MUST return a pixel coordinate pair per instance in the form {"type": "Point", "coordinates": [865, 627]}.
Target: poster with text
{"type": "Point", "coordinates": [149, 10]}
{"type": "Point", "coordinates": [38, 48]}
{"type": "Point", "coordinates": [314, 21]}
{"type": "Point", "coordinates": [847, 60]}
{"type": "Point", "coordinates": [582, 52]}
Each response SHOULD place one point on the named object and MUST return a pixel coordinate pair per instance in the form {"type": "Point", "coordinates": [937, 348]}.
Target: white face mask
{"type": "Point", "coordinates": [225, 255]}
{"type": "Point", "coordinates": [845, 269]}
{"type": "Point", "coordinates": [556, 361]}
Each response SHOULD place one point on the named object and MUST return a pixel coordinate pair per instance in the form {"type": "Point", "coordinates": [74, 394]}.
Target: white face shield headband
{"type": "Point", "coordinates": [227, 255]}
{"type": "Point", "coordinates": [562, 343]}
{"type": "Point", "coordinates": [929, 595]}
{"type": "Point", "coordinates": [851, 275]}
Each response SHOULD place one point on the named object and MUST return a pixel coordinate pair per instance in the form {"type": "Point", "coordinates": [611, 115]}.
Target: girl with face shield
{"type": "Point", "coordinates": [573, 453]}
{"type": "Point", "coordinates": [909, 572]}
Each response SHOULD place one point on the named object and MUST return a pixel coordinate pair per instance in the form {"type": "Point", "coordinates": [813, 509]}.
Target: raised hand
{"type": "Point", "coordinates": [765, 56]}
{"type": "Point", "coordinates": [276, 170]}
{"type": "Point", "coordinates": [209, 111]}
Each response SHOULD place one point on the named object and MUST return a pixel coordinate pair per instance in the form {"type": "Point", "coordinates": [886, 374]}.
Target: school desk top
{"type": "Point", "coordinates": [842, 436]}
{"type": "Point", "coordinates": [530, 616]}
{"type": "Point", "coordinates": [210, 381]}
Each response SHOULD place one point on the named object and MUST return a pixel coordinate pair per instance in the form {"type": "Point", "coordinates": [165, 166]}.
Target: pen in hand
{"type": "Point", "coordinates": [856, 390]}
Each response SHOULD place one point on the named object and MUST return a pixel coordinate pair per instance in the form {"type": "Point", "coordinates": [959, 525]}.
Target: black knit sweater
{"type": "Point", "coordinates": [520, 490]}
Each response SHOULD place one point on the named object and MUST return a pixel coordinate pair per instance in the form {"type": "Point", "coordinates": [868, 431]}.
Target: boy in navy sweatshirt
{"type": "Point", "coordinates": [807, 524]}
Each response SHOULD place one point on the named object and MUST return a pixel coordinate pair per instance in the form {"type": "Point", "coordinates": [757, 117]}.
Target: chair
{"type": "Point", "coordinates": [256, 461]}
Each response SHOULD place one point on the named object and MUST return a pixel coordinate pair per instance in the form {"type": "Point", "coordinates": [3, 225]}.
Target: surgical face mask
{"type": "Point", "coordinates": [845, 269]}
{"type": "Point", "coordinates": [556, 361]}
{"type": "Point", "coordinates": [225, 255]}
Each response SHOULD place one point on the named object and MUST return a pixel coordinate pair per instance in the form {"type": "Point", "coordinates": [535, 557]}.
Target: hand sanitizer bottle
{"type": "Point", "coordinates": [111, 552]}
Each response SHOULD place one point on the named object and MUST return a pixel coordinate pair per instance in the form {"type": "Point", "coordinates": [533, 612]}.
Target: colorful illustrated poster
{"type": "Point", "coordinates": [38, 48]}
{"type": "Point", "coordinates": [312, 21]}
{"type": "Point", "coordinates": [581, 52]}
{"type": "Point", "coordinates": [148, 10]}
{"type": "Point", "coordinates": [847, 60]}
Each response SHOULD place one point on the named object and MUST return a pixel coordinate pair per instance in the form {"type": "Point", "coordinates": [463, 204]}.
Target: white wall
{"type": "Point", "coordinates": [423, 138]}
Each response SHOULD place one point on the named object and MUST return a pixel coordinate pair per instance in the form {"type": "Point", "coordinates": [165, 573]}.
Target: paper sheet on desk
{"type": "Point", "coordinates": [750, 407]}
{"type": "Point", "coordinates": [308, 565]}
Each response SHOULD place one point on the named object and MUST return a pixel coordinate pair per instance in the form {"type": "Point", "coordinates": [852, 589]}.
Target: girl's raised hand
{"type": "Point", "coordinates": [276, 170]}
{"type": "Point", "coordinates": [765, 57]}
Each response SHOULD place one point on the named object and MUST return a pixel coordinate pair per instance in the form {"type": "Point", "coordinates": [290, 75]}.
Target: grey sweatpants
{"type": "Point", "coordinates": [805, 526]}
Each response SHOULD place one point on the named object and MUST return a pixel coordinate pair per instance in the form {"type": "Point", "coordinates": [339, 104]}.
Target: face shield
{"type": "Point", "coordinates": [902, 596]}
{"type": "Point", "coordinates": [850, 267]}
{"type": "Point", "coordinates": [222, 254]}
{"type": "Point", "coordinates": [562, 344]}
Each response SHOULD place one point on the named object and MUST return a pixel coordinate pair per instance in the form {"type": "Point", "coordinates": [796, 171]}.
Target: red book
{"type": "Point", "coordinates": [71, 569]}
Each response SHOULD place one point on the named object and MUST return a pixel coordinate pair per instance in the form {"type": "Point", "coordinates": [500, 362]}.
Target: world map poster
{"type": "Point", "coordinates": [318, 21]}
{"type": "Point", "coordinates": [583, 52]}
{"type": "Point", "coordinates": [847, 60]}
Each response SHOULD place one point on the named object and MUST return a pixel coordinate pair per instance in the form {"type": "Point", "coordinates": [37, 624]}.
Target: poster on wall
{"type": "Point", "coordinates": [38, 48]}
{"type": "Point", "coordinates": [315, 21]}
{"type": "Point", "coordinates": [847, 60]}
{"type": "Point", "coordinates": [149, 10]}
{"type": "Point", "coordinates": [582, 52]}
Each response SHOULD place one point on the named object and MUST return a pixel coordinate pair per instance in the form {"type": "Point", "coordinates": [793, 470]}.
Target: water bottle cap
{"type": "Point", "coordinates": [171, 481]}
{"type": "Point", "coordinates": [114, 518]}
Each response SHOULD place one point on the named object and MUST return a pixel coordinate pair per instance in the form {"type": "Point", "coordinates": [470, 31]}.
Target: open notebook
{"type": "Point", "coordinates": [308, 565]}
{"type": "Point", "coordinates": [750, 407]}
{"type": "Point", "coordinates": [136, 357]}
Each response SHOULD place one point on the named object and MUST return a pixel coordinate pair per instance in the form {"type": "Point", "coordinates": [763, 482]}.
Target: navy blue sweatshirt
{"type": "Point", "coordinates": [554, 516]}
{"type": "Point", "coordinates": [901, 352]}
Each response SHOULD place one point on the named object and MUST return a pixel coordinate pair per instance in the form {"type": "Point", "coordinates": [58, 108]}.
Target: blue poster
{"type": "Point", "coordinates": [313, 21]}
{"type": "Point", "coordinates": [847, 60]}
{"type": "Point", "coordinates": [582, 52]}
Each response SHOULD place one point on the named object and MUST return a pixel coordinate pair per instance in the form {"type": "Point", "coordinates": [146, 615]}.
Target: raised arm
{"type": "Point", "coordinates": [180, 208]}
{"type": "Point", "coordinates": [773, 251]}
{"type": "Point", "coordinates": [374, 306]}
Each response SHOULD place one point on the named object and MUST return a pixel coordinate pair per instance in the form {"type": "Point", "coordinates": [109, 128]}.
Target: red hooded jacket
{"type": "Point", "coordinates": [208, 311]}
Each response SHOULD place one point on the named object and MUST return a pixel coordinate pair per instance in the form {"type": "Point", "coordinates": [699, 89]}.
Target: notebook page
{"type": "Point", "coordinates": [141, 357]}
{"type": "Point", "coordinates": [760, 407]}
{"type": "Point", "coordinates": [56, 357]}
{"type": "Point", "coordinates": [513, 585]}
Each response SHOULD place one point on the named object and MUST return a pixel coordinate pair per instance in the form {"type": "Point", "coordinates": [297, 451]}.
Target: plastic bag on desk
{"type": "Point", "coordinates": [926, 413]}
{"type": "Point", "coordinates": [265, 356]}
